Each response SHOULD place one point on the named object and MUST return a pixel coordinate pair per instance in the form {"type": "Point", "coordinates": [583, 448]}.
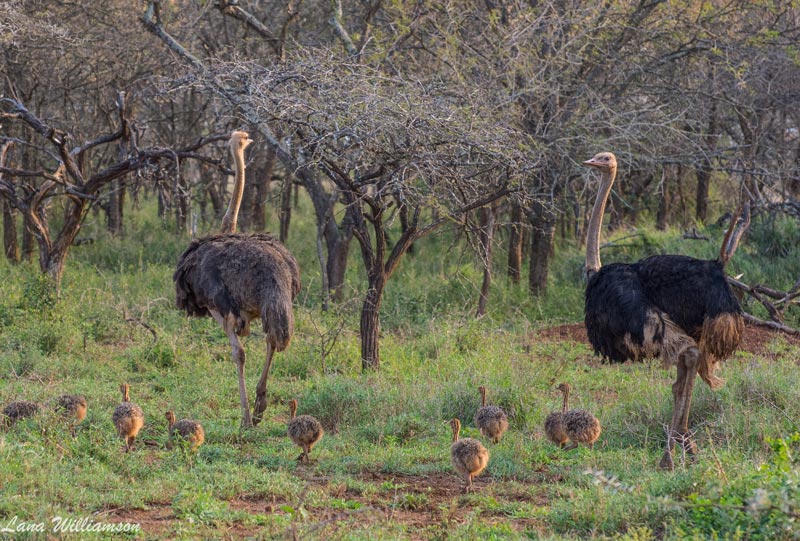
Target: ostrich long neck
{"type": "Point", "coordinates": [596, 222]}
{"type": "Point", "coordinates": [565, 404]}
{"type": "Point", "coordinates": [229, 220]}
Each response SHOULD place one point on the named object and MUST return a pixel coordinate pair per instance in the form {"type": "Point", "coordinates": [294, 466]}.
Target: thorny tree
{"type": "Point", "coordinates": [379, 143]}
{"type": "Point", "coordinates": [74, 175]}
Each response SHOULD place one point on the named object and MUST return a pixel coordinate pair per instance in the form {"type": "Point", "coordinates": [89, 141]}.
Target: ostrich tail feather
{"type": "Point", "coordinates": [719, 339]}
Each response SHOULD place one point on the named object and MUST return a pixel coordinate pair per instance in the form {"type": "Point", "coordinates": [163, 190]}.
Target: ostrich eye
{"type": "Point", "coordinates": [605, 158]}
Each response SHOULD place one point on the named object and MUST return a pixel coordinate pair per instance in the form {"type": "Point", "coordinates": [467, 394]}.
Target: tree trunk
{"type": "Point", "coordinates": [703, 170]}
{"type": "Point", "coordinates": [542, 236]}
{"type": "Point", "coordinates": [403, 211]}
{"type": "Point", "coordinates": [664, 203]}
{"type": "Point", "coordinates": [485, 242]}
{"type": "Point", "coordinates": [370, 320]}
{"type": "Point", "coordinates": [113, 208]}
{"type": "Point", "coordinates": [28, 243]}
{"type": "Point", "coordinates": [181, 198]}
{"type": "Point", "coordinates": [262, 180]}
{"type": "Point", "coordinates": [515, 244]}
{"type": "Point", "coordinates": [337, 258]}
{"type": "Point", "coordinates": [10, 245]}
{"type": "Point", "coordinates": [162, 203]}
{"type": "Point", "coordinates": [286, 208]}
{"type": "Point", "coordinates": [217, 201]}
{"type": "Point", "coordinates": [121, 185]}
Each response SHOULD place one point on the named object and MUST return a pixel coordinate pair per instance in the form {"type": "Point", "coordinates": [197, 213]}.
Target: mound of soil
{"type": "Point", "coordinates": [756, 339]}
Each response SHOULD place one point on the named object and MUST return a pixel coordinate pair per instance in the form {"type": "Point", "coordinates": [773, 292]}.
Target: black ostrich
{"type": "Point", "coordinates": [236, 278]}
{"type": "Point", "coordinates": [676, 307]}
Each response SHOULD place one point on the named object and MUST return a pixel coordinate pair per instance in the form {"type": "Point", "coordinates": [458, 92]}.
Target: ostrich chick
{"type": "Point", "coordinates": [128, 418]}
{"type": "Point", "coordinates": [468, 456]}
{"type": "Point", "coordinates": [187, 430]}
{"type": "Point", "coordinates": [72, 407]}
{"type": "Point", "coordinates": [490, 420]}
{"type": "Point", "coordinates": [304, 430]}
{"type": "Point", "coordinates": [20, 409]}
{"type": "Point", "coordinates": [554, 423]}
{"type": "Point", "coordinates": [580, 426]}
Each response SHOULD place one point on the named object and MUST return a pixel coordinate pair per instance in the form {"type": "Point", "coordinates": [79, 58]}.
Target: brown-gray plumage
{"type": "Point", "coordinates": [128, 418]}
{"type": "Point", "coordinates": [554, 423]}
{"type": "Point", "coordinates": [468, 456]}
{"type": "Point", "coordinates": [304, 430]}
{"type": "Point", "coordinates": [490, 420]}
{"type": "Point", "coordinates": [236, 278]}
{"type": "Point", "coordinates": [579, 426]}
{"type": "Point", "coordinates": [72, 407]}
{"type": "Point", "coordinates": [186, 429]}
{"type": "Point", "coordinates": [19, 409]}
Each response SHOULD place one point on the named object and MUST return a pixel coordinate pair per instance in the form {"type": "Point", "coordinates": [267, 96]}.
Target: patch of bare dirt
{"type": "Point", "coordinates": [156, 519]}
{"type": "Point", "coordinates": [756, 339]}
{"type": "Point", "coordinates": [422, 503]}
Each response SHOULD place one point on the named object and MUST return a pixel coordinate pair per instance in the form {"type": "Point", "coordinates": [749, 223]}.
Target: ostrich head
{"type": "Point", "coordinates": [563, 387]}
{"type": "Point", "coordinates": [293, 407]}
{"type": "Point", "coordinates": [240, 140]}
{"type": "Point", "coordinates": [604, 161]}
{"type": "Point", "coordinates": [170, 415]}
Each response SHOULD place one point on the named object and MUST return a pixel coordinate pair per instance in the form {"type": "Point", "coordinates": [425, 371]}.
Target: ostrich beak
{"type": "Point", "coordinates": [592, 163]}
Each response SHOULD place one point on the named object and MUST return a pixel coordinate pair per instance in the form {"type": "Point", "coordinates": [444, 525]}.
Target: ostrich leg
{"type": "Point", "coordinates": [261, 389]}
{"type": "Point", "coordinates": [682, 395]}
{"type": "Point", "coordinates": [228, 325]}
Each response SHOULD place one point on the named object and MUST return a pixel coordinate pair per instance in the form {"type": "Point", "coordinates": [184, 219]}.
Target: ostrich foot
{"type": "Point", "coordinates": [259, 406]}
{"type": "Point", "coordinates": [688, 446]}
{"type": "Point", "coordinates": [666, 461]}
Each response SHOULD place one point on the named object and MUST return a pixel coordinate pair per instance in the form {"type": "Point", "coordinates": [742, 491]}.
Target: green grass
{"type": "Point", "coordinates": [382, 470]}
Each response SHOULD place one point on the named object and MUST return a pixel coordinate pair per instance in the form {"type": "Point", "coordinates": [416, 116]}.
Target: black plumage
{"type": "Point", "coordinates": [621, 297]}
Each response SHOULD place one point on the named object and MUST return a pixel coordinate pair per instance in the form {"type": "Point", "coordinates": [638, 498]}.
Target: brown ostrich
{"type": "Point", "coordinates": [579, 426]}
{"type": "Point", "coordinates": [468, 456]}
{"type": "Point", "coordinates": [186, 430]}
{"type": "Point", "coordinates": [554, 423]}
{"type": "Point", "coordinates": [304, 430]}
{"type": "Point", "coordinates": [19, 409]}
{"type": "Point", "coordinates": [73, 408]}
{"type": "Point", "coordinates": [236, 278]}
{"type": "Point", "coordinates": [128, 418]}
{"type": "Point", "coordinates": [676, 307]}
{"type": "Point", "coordinates": [490, 420]}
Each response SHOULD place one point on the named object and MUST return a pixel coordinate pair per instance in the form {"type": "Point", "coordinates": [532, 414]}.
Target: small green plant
{"type": "Point", "coordinates": [198, 505]}
{"type": "Point", "coordinates": [39, 293]}
{"type": "Point", "coordinates": [411, 501]}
